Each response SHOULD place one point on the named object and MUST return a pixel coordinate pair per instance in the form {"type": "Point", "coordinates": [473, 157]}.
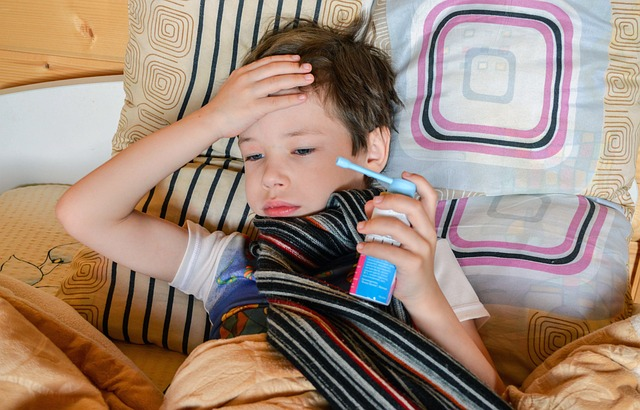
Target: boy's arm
{"type": "Point", "coordinates": [435, 319]}
{"type": "Point", "coordinates": [417, 286]}
{"type": "Point", "coordinates": [99, 209]}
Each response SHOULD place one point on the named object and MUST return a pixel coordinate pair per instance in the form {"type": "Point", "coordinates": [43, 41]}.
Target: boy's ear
{"type": "Point", "coordinates": [378, 142]}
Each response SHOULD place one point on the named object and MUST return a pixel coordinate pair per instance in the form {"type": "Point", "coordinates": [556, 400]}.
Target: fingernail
{"type": "Point", "coordinates": [360, 226]}
{"type": "Point", "coordinates": [308, 77]}
{"type": "Point", "coordinates": [305, 66]}
{"type": "Point", "coordinates": [377, 199]}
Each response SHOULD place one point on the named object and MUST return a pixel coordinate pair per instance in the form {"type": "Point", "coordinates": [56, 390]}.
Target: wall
{"type": "Point", "coordinates": [44, 40]}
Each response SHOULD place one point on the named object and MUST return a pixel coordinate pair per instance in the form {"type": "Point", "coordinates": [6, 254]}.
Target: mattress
{"type": "Point", "coordinates": [34, 247]}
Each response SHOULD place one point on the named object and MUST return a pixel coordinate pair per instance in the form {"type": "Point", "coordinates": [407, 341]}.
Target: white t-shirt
{"type": "Point", "coordinates": [201, 262]}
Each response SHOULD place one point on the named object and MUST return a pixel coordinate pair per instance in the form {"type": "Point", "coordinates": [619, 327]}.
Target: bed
{"type": "Point", "coordinates": [538, 204]}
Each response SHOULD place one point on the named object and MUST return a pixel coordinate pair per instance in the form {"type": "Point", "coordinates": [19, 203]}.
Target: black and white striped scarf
{"type": "Point", "coordinates": [357, 354]}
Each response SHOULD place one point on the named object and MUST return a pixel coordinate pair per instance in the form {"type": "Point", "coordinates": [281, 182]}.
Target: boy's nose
{"type": "Point", "coordinates": [274, 176]}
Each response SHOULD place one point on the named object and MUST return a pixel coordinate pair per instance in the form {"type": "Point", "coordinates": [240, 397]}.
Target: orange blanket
{"type": "Point", "coordinates": [244, 372]}
{"type": "Point", "coordinates": [50, 357]}
{"type": "Point", "coordinates": [598, 371]}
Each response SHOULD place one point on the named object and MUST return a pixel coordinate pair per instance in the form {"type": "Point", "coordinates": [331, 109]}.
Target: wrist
{"type": "Point", "coordinates": [430, 311]}
{"type": "Point", "coordinates": [201, 129]}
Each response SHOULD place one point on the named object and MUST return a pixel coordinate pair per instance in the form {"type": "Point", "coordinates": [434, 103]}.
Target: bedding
{"type": "Point", "coordinates": [597, 371]}
{"type": "Point", "coordinates": [549, 268]}
{"type": "Point", "coordinates": [52, 358]}
{"type": "Point", "coordinates": [500, 96]}
{"type": "Point", "coordinates": [260, 378]}
{"type": "Point", "coordinates": [36, 250]}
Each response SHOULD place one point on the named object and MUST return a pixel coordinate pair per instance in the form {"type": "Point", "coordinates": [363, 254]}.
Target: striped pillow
{"type": "Point", "coordinates": [180, 53]}
{"type": "Point", "coordinates": [130, 306]}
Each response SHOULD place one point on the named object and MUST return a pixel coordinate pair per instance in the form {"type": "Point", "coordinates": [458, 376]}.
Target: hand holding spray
{"type": "Point", "coordinates": [374, 278]}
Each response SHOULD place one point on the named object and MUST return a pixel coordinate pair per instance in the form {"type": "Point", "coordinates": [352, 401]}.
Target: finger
{"type": "Point", "coordinates": [368, 209]}
{"type": "Point", "coordinates": [428, 195]}
{"type": "Point", "coordinates": [404, 259]}
{"type": "Point", "coordinates": [413, 209]}
{"type": "Point", "coordinates": [396, 202]}
{"type": "Point", "coordinates": [410, 238]}
{"type": "Point", "coordinates": [280, 102]}
{"type": "Point", "coordinates": [428, 199]}
{"type": "Point", "coordinates": [282, 84]}
{"type": "Point", "coordinates": [270, 60]}
{"type": "Point", "coordinates": [261, 70]}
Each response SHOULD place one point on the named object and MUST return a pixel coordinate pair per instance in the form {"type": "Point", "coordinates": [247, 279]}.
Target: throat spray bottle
{"type": "Point", "coordinates": [374, 278]}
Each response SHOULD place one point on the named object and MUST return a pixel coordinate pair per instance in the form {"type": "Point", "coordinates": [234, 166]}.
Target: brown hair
{"type": "Point", "coordinates": [354, 78]}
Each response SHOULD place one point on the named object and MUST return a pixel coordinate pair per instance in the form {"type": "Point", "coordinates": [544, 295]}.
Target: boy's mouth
{"type": "Point", "coordinates": [278, 209]}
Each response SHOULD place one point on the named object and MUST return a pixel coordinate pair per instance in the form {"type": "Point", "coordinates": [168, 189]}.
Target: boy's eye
{"type": "Point", "coordinates": [303, 151]}
{"type": "Point", "coordinates": [253, 157]}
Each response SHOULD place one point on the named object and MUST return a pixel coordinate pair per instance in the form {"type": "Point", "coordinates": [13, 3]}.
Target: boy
{"type": "Point", "coordinates": [305, 96]}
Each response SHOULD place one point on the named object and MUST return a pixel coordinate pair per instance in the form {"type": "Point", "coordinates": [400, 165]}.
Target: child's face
{"type": "Point", "coordinates": [290, 160]}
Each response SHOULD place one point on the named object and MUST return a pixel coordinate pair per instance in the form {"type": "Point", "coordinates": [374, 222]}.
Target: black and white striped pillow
{"type": "Point", "coordinates": [130, 306]}
{"type": "Point", "coordinates": [180, 53]}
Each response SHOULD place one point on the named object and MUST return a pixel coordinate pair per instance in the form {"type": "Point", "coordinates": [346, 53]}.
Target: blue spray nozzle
{"type": "Point", "coordinates": [396, 185]}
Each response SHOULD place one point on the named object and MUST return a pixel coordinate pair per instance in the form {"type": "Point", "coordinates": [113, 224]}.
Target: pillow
{"type": "Point", "coordinates": [130, 306]}
{"type": "Point", "coordinates": [178, 55]}
{"type": "Point", "coordinates": [505, 97]}
{"type": "Point", "coordinates": [549, 268]}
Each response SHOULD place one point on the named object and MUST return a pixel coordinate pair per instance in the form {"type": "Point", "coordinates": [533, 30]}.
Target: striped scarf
{"type": "Point", "coordinates": [358, 355]}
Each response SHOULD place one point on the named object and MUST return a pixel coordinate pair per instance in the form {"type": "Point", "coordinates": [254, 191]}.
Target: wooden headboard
{"type": "Point", "coordinates": [45, 40]}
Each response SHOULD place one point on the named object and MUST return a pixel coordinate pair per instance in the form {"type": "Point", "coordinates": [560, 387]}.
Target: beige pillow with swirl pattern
{"type": "Point", "coordinates": [179, 54]}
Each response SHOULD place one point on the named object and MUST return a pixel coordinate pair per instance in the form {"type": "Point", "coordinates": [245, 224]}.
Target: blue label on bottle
{"type": "Point", "coordinates": [374, 280]}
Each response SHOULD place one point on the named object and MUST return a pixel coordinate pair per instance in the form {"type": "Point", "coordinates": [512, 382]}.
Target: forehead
{"type": "Point", "coordinates": [306, 119]}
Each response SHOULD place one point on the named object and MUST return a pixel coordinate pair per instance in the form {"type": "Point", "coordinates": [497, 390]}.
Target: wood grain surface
{"type": "Point", "coordinates": [44, 40]}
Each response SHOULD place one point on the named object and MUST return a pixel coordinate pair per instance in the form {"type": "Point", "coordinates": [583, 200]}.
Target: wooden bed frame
{"type": "Point", "coordinates": [43, 40]}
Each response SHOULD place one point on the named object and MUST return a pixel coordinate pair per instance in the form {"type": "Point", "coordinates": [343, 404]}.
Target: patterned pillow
{"type": "Point", "coordinates": [178, 55]}
{"type": "Point", "coordinates": [505, 97]}
{"type": "Point", "coordinates": [550, 268]}
{"type": "Point", "coordinates": [127, 305]}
